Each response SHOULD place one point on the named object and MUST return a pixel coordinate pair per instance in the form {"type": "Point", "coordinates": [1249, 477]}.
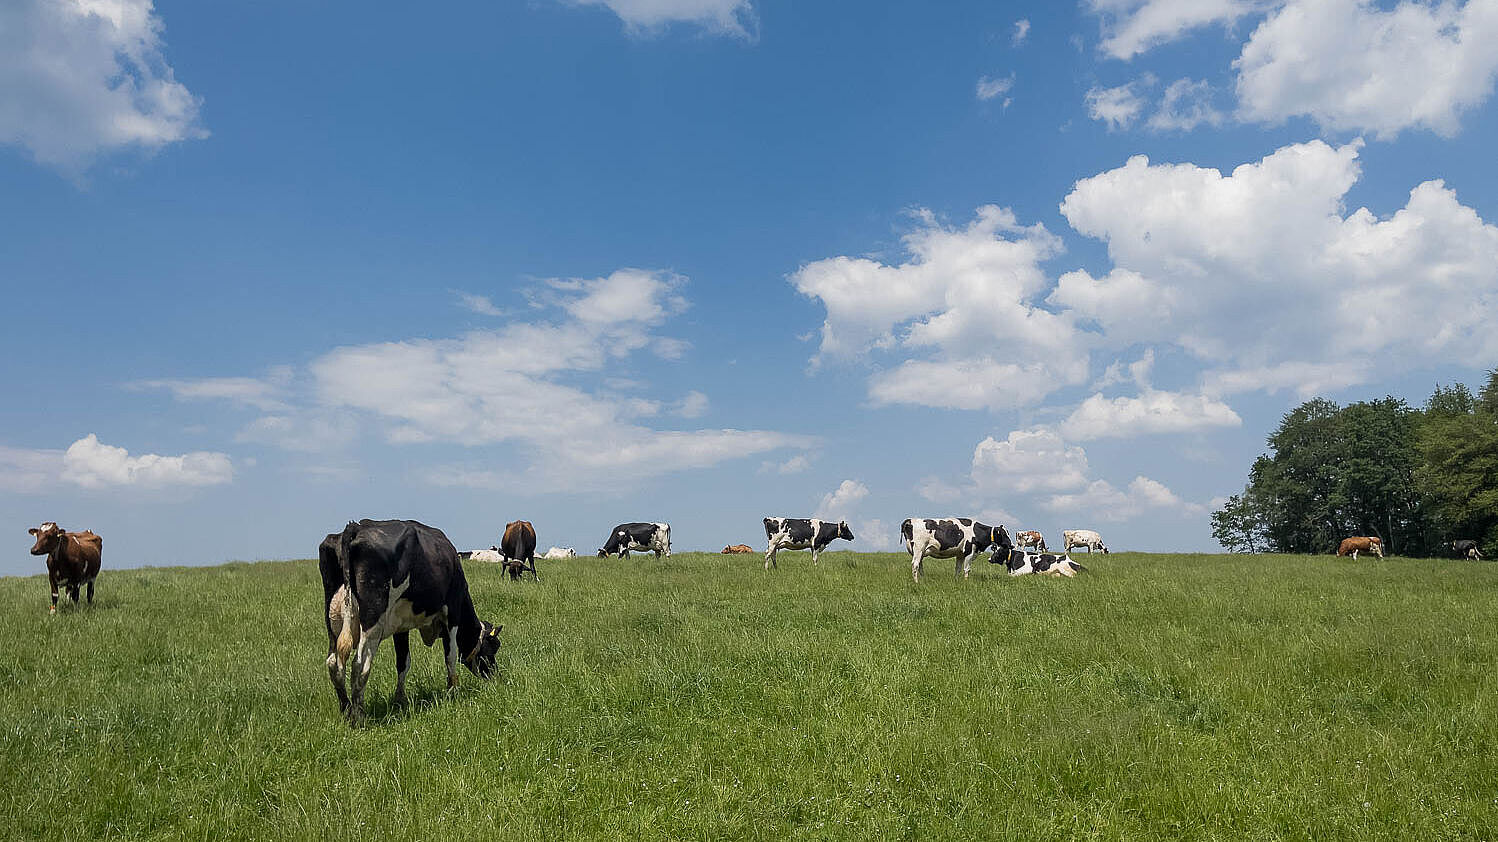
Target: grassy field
{"type": "Point", "coordinates": [1156, 697]}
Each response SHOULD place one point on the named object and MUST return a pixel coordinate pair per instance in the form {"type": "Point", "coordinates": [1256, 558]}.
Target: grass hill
{"type": "Point", "coordinates": [1155, 697]}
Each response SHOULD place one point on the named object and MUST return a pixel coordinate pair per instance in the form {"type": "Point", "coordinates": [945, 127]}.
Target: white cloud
{"type": "Point", "coordinates": [1263, 275]}
{"type": "Point", "coordinates": [479, 304]}
{"type": "Point", "coordinates": [720, 17]}
{"type": "Point", "coordinates": [29, 471]}
{"type": "Point", "coordinates": [93, 464]}
{"type": "Point", "coordinates": [794, 465]}
{"type": "Point", "coordinates": [1030, 460]}
{"type": "Point", "coordinates": [1151, 412]}
{"type": "Point", "coordinates": [265, 394]}
{"type": "Point", "coordinates": [1185, 105]}
{"type": "Point", "coordinates": [1100, 500]}
{"type": "Point", "coordinates": [1131, 27]}
{"type": "Point", "coordinates": [1021, 32]}
{"type": "Point", "coordinates": [1118, 107]}
{"type": "Point", "coordinates": [938, 490]}
{"type": "Point", "coordinates": [961, 311]}
{"type": "Point", "coordinates": [874, 536]}
{"type": "Point", "coordinates": [1351, 65]}
{"type": "Point", "coordinates": [989, 87]}
{"type": "Point", "coordinates": [838, 503]}
{"type": "Point", "coordinates": [79, 78]}
{"type": "Point", "coordinates": [694, 405]}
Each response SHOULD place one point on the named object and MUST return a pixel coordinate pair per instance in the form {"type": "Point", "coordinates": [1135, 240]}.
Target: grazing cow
{"type": "Point", "coordinates": [491, 555]}
{"type": "Point", "coordinates": [799, 533]}
{"type": "Point", "coordinates": [387, 578]}
{"type": "Point", "coordinates": [1021, 563]}
{"type": "Point", "coordinates": [957, 538]}
{"type": "Point", "coordinates": [1030, 539]}
{"type": "Point", "coordinates": [560, 552]}
{"type": "Point", "coordinates": [1353, 546]}
{"type": "Point", "coordinates": [736, 549]}
{"type": "Point", "coordinates": [1084, 538]}
{"type": "Point", "coordinates": [638, 537]}
{"type": "Point", "coordinates": [519, 547]}
{"type": "Point", "coordinates": [72, 559]}
{"type": "Point", "coordinates": [1467, 550]}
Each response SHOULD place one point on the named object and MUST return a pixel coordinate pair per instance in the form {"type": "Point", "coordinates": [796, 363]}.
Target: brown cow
{"type": "Point", "coordinates": [736, 549]}
{"type": "Point", "coordinates": [519, 549]}
{"type": "Point", "coordinates": [72, 559]}
{"type": "Point", "coordinates": [1030, 539]}
{"type": "Point", "coordinates": [1353, 546]}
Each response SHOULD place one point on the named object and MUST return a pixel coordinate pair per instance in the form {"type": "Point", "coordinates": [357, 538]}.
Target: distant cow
{"type": "Point", "coordinates": [519, 547]}
{"type": "Point", "coordinates": [72, 559]}
{"type": "Point", "coordinates": [559, 552]}
{"type": "Point", "coordinates": [491, 555]}
{"type": "Point", "coordinates": [1353, 546]}
{"type": "Point", "coordinates": [638, 537]}
{"type": "Point", "coordinates": [799, 533]}
{"type": "Point", "coordinates": [1467, 550]}
{"type": "Point", "coordinates": [955, 538]}
{"type": "Point", "coordinates": [1021, 563]}
{"type": "Point", "coordinates": [1030, 539]}
{"type": "Point", "coordinates": [736, 549]}
{"type": "Point", "coordinates": [386, 578]}
{"type": "Point", "coordinates": [1084, 538]}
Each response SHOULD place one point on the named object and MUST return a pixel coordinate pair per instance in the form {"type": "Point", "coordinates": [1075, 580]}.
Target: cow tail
{"type": "Point", "coordinates": [348, 635]}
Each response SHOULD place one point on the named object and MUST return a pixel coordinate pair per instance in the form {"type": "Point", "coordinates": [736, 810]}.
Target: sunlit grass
{"type": "Point", "coordinates": [1157, 696]}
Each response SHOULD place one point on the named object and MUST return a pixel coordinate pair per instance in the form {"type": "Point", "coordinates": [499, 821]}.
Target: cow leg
{"type": "Point", "coordinates": [450, 656]}
{"type": "Point", "coordinates": [90, 593]}
{"type": "Point", "coordinates": [52, 578]}
{"type": "Point", "coordinates": [915, 565]}
{"type": "Point", "coordinates": [967, 565]}
{"type": "Point", "coordinates": [770, 557]}
{"type": "Point", "coordinates": [73, 593]}
{"type": "Point", "coordinates": [1354, 555]}
{"type": "Point", "coordinates": [363, 665]}
{"type": "Point", "coordinates": [402, 666]}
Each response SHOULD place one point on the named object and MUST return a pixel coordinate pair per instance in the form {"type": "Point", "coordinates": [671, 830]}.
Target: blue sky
{"type": "Point", "coordinates": [1058, 265]}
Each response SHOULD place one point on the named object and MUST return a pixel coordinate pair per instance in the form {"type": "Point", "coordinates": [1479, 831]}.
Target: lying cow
{"type": "Point", "coordinates": [387, 578]}
{"type": "Point", "coordinates": [491, 555]}
{"type": "Point", "coordinates": [956, 538]}
{"type": "Point", "coordinates": [559, 553]}
{"type": "Point", "coordinates": [1021, 563]}
{"type": "Point", "coordinates": [638, 537]}
{"type": "Point", "coordinates": [72, 559]}
{"type": "Point", "coordinates": [1467, 550]}
{"type": "Point", "coordinates": [1084, 538]}
{"type": "Point", "coordinates": [1353, 546]}
{"type": "Point", "coordinates": [1030, 540]}
{"type": "Point", "coordinates": [519, 548]}
{"type": "Point", "coordinates": [736, 549]}
{"type": "Point", "coordinates": [799, 533]}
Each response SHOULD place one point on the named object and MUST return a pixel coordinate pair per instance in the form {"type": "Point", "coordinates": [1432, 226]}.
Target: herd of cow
{"type": "Point", "coordinates": [388, 578]}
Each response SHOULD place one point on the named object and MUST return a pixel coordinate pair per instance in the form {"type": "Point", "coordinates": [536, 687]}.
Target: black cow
{"type": "Point", "coordinates": [519, 548]}
{"type": "Point", "coordinates": [956, 538]}
{"type": "Point", "coordinates": [641, 537]}
{"type": "Point", "coordinates": [1467, 550]}
{"type": "Point", "coordinates": [799, 533]}
{"type": "Point", "coordinates": [386, 578]}
{"type": "Point", "coordinates": [1021, 563]}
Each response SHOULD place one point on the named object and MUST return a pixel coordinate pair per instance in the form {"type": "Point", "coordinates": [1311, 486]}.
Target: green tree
{"type": "Point", "coordinates": [1458, 470]}
{"type": "Point", "coordinates": [1239, 524]}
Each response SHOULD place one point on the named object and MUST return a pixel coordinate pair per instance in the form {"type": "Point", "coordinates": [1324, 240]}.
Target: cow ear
{"type": "Point", "coordinates": [31, 531]}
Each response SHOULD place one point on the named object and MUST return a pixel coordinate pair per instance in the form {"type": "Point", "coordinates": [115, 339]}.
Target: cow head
{"type": "Point", "coordinates": [47, 537]}
{"type": "Point", "coordinates": [1000, 538]}
{"type": "Point", "coordinates": [480, 661]}
{"type": "Point", "coordinates": [603, 553]}
{"type": "Point", "coordinates": [843, 531]}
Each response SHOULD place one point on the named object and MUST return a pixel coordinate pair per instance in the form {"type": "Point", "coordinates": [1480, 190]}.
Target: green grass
{"type": "Point", "coordinates": [1156, 697]}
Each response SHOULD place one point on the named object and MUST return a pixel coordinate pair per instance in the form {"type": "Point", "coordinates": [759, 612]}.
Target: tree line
{"type": "Point", "coordinates": [1418, 478]}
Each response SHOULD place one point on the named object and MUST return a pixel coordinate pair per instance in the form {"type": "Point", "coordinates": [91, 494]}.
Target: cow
{"type": "Point", "coordinates": [799, 533]}
{"type": "Point", "coordinates": [1467, 550]}
{"type": "Point", "coordinates": [491, 555]}
{"type": "Point", "coordinates": [1030, 539]}
{"type": "Point", "coordinates": [1084, 538]}
{"type": "Point", "coordinates": [957, 538]}
{"type": "Point", "coordinates": [72, 559]}
{"type": "Point", "coordinates": [559, 553]}
{"type": "Point", "coordinates": [1353, 546]}
{"type": "Point", "coordinates": [736, 549]}
{"type": "Point", "coordinates": [387, 578]}
{"type": "Point", "coordinates": [519, 547]}
{"type": "Point", "coordinates": [1021, 563]}
{"type": "Point", "coordinates": [638, 537]}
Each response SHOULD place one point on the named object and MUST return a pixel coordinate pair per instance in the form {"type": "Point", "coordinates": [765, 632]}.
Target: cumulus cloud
{"type": "Point", "coordinates": [92, 464]}
{"type": "Point", "coordinates": [1186, 104]}
{"type": "Point", "coordinates": [962, 311]}
{"type": "Point", "coordinates": [1026, 461]}
{"type": "Point", "coordinates": [794, 465]}
{"type": "Point", "coordinates": [874, 536]}
{"type": "Point", "coordinates": [79, 78]}
{"type": "Point", "coordinates": [838, 503]}
{"type": "Point", "coordinates": [1100, 500]}
{"type": "Point", "coordinates": [1118, 107]}
{"type": "Point", "coordinates": [1353, 66]}
{"type": "Point", "coordinates": [1151, 412]}
{"type": "Point", "coordinates": [719, 17]}
{"type": "Point", "coordinates": [1262, 273]}
{"type": "Point", "coordinates": [1131, 27]}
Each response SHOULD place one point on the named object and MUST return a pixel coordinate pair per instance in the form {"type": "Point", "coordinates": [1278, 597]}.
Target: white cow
{"type": "Point", "coordinates": [560, 552]}
{"type": "Point", "coordinates": [1084, 538]}
{"type": "Point", "coordinates": [492, 555]}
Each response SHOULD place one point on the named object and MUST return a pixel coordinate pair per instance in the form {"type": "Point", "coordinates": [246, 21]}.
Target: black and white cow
{"type": "Point", "coordinates": [1021, 563]}
{"type": "Point", "coordinates": [799, 533]}
{"type": "Point", "coordinates": [1467, 550]}
{"type": "Point", "coordinates": [958, 538]}
{"type": "Point", "coordinates": [387, 578]}
{"type": "Point", "coordinates": [1084, 538]}
{"type": "Point", "coordinates": [638, 537]}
